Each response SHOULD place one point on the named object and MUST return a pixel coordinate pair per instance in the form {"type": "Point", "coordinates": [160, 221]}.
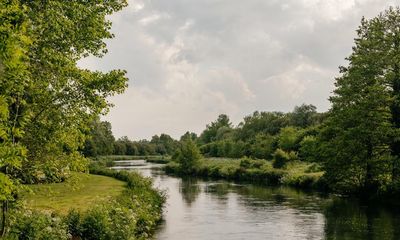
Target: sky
{"type": "Point", "coordinates": [189, 60]}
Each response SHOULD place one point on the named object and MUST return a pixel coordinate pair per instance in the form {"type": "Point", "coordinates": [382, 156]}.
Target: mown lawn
{"type": "Point", "coordinates": [80, 192]}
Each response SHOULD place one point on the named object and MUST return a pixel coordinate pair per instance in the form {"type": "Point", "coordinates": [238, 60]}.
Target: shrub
{"type": "Point", "coordinates": [280, 158]}
{"type": "Point", "coordinates": [245, 162]}
{"type": "Point", "coordinates": [188, 156]}
{"type": "Point", "coordinates": [73, 222]}
{"type": "Point", "coordinates": [95, 224]}
{"type": "Point", "coordinates": [309, 149]}
{"type": "Point", "coordinates": [37, 225]}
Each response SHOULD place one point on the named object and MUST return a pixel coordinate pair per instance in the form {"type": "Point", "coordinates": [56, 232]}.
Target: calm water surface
{"type": "Point", "coordinates": [199, 209]}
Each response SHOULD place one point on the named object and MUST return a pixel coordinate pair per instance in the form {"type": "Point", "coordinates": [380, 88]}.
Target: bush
{"type": "Point", "coordinates": [309, 149]}
{"type": "Point", "coordinates": [188, 156]}
{"type": "Point", "coordinates": [280, 158]}
{"type": "Point", "coordinates": [37, 225]}
{"type": "Point", "coordinates": [95, 224]}
{"type": "Point", "coordinates": [73, 222]}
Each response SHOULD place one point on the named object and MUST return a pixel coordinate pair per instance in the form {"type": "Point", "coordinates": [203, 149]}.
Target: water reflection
{"type": "Point", "coordinates": [347, 219]}
{"type": "Point", "coordinates": [198, 209]}
{"type": "Point", "coordinates": [190, 189]}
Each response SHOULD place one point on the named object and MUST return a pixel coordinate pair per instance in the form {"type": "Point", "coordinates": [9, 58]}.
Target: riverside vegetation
{"type": "Point", "coordinates": [131, 213]}
{"type": "Point", "coordinates": [47, 106]}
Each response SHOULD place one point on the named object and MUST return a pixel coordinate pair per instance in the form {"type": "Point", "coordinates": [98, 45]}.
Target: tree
{"type": "Point", "coordinates": [65, 99]}
{"type": "Point", "coordinates": [361, 136]}
{"type": "Point", "coordinates": [263, 146]}
{"type": "Point", "coordinates": [309, 149]}
{"type": "Point", "coordinates": [100, 140]}
{"type": "Point", "coordinates": [303, 116]}
{"type": "Point", "coordinates": [289, 138]}
{"type": "Point", "coordinates": [188, 135]}
{"type": "Point", "coordinates": [46, 101]}
{"type": "Point", "coordinates": [211, 131]}
{"type": "Point", "coordinates": [261, 122]}
{"type": "Point", "coordinates": [188, 156]}
{"type": "Point", "coordinates": [14, 82]}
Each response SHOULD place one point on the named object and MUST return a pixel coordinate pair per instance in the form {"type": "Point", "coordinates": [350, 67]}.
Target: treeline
{"type": "Point", "coordinates": [260, 135]}
{"type": "Point", "coordinates": [101, 142]}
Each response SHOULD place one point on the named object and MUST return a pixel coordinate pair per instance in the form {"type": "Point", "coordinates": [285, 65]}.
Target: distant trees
{"type": "Point", "coordinates": [158, 145]}
{"type": "Point", "coordinates": [211, 131]}
{"type": "Point", "coordinates": [100, 140]}
{"type": "Point", "coordinates": [259, 135]}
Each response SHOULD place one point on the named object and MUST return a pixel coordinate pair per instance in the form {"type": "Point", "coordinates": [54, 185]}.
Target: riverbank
{"type": "Point", "coordinates": [296, 174]}
{"type": "Point", "coordinates": [133, 213]}
{"type": "Point", "coordinates": [79, 192]}
{"type": "Point", "coordinates": [109, 160]}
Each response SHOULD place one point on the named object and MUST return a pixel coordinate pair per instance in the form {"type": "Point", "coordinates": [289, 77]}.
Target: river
{"type": "Point", "coordinates": [210, 209]}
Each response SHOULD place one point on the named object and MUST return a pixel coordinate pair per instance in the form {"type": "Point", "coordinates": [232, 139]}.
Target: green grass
{"type": "Point", "coordinates": [81, 192]}
{"type": "Point", "coordinates": [295, 173]}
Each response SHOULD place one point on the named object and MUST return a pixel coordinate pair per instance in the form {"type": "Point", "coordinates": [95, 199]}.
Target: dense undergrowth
{"type": "Point", "coordinates": [297, 174]}
{"type": "Point", "coordinates": [132, 215]}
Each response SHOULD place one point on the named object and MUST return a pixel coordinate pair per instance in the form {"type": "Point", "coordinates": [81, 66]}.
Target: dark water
{"type": "Point", "coordinates": [199, 209]}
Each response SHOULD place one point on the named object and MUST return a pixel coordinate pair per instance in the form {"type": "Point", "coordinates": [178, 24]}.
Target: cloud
{"type": "Point", "coordinates": [189, 60]}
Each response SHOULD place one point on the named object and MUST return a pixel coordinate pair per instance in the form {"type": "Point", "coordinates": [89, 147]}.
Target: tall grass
{"type": "Point", "coordinates": [296, 173]}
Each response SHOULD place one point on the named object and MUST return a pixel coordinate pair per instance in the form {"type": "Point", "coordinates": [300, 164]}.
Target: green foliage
{"type": "Point", "coordinates": [260, 134]}
{"type": "Point", "coordinates": [263, 146]}
{"type": "Point", "coordinates": [213, 129]}
{"type": "Point", "coordinates": [187, 156]}
{"type": "Point", "coordinates": [309, 149]}
{"type": "Point", "coordinates": [73, 222]}
{"type": "Point", "coordinates": [304, 116]}
{"type": "Point", "coordinates": [190, 135]}
{"type": "Point", "coordinates": [295, 173]}
{"type": "Point", "coordinates": [360, 138]}
{"type": "Point", "coordinates": [159, 145]}
{"type": "Point", "coordinates": [132, 215]}
{"type": "Point", "coordinates": [140, 206]}
{"type": "Point", "coordinates": [100, 140]}
{"type": "Point", "coordinates": [289, 138]}
{"type": "Point", "coordinates": [280, 158]}
{"type": "Point", "coordinates": [37, 225]}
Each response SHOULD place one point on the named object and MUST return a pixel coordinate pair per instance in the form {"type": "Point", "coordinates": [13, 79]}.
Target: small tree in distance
{"type": "Point", "coordinates": [188, 156]}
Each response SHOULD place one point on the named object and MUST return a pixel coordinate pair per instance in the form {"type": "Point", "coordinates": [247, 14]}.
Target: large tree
{"type": "Point", "coordinates": [65, 99]}
{"type": "Point", "coordinates": [362, 133]}
{"type": "Point", "coordinates": [211, 131]}
{"type": "Point", "coordinates": [46, 101]}
{"type": "Point", "coordinates": [14, 81]}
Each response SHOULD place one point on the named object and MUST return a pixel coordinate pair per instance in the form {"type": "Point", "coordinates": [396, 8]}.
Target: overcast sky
{"type": "Point", "coordinates": [190, 60]}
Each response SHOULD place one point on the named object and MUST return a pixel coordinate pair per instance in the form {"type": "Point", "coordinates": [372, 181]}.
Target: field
{"type": "Point", "coordinates": [80, 192]}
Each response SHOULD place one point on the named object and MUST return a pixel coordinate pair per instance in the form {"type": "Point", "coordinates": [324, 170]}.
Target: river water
{"type": "Point", "coordinates": [209, 209]}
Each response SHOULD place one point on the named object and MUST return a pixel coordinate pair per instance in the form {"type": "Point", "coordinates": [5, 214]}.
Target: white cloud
{"type": "Point", "coordinates": [190, 60]}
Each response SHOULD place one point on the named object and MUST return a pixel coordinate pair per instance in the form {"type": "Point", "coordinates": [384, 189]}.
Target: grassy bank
{"type": "Point", "coordinates": [116, 205]}
{"type": "Point", "coordinates": [79, 192]}
{"type": "Point", "coordinates": [109, 160]}
{"type": "Point", "coordinates": [296, 173]}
